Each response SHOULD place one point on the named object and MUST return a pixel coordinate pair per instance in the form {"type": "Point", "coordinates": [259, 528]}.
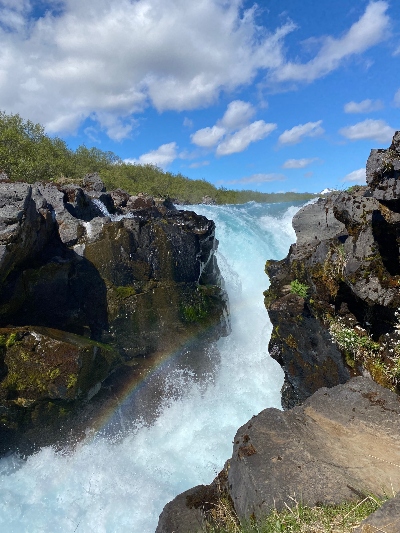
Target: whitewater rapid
{"type": "Point", "coordinates": [109, 485]}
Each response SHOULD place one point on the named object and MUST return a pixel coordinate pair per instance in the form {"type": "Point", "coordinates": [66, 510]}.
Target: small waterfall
{"type": "Point", "coordinates": [104, 211]}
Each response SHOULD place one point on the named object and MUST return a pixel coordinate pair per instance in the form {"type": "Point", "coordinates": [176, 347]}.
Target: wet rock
{"type": "Point", "coordinates": [142, 285]}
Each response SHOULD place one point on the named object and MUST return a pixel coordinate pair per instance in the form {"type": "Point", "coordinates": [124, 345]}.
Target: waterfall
{"type": "Point", "coordinates": [107, 485]}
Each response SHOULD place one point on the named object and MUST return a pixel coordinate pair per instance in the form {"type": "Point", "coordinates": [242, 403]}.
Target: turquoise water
{"type": "Point", "coordinates": [109, 485]}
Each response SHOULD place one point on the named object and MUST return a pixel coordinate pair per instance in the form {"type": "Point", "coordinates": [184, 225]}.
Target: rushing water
{"type": "Point", "coordinates": [109, 485]}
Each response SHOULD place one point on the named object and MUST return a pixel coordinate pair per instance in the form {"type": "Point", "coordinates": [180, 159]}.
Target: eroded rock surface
{"type": "Point", "coordinates": [347, 258]}
{"type": "Point", "coordinates": [131, 277]}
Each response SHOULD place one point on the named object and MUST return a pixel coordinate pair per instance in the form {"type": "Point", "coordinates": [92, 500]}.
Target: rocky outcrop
{"type": "Point", "coordinates": [93, 282]}
{"type": "Point", "coordinates": [341, 445]}
{"type": "Point", "coordinates": [333, 300]}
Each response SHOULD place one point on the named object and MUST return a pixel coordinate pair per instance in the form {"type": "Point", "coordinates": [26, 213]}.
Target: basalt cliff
{"type": "Point", "coordinates": [94, 286]}
{"type": "Point", "coordinates": [334, 306]}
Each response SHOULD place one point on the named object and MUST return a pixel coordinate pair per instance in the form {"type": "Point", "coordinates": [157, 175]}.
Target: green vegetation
{"type": "Point", "coordinates": [381, 360]}
{"type": "Point", "coordinates": [28, 154]}
{"type": "Point", "coordinates": [341, 518]}
{"type": "Point", "coordinates": [296, 287]}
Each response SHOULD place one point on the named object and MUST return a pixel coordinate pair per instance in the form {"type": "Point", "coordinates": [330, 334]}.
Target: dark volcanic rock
{"type": "Point", "coordinates": [347, 255]}
{"type": "Point", "coordinates": [141, 284]}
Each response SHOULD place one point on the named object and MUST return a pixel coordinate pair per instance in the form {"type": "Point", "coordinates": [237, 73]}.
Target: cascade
{"type": "Point", "coordinates": [108, 485]}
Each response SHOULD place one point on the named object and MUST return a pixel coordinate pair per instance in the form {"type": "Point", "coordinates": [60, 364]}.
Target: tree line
{"type": "Point", "coordinates": [28, 154]}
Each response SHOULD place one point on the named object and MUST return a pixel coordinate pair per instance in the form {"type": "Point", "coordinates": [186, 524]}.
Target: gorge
{"type": "Point", "coordinates": [171, 428]}
{"type": "Point", "coordinates": [162, 426]}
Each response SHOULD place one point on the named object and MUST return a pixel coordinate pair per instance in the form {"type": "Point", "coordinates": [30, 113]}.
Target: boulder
{"type": "Point", "coordinates": [341, 444]}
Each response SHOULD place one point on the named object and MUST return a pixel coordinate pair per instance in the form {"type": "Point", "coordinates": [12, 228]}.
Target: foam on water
{"type": "Point", "coordinates": [107, 486]}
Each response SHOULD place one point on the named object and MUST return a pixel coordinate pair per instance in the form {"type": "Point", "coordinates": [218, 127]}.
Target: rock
{"type": "Point", "coordinates": [340, 445]}
{"type": "Point", "coordinates": [141, 201]}
{"type": "Point", "coordinates": [92, 182]}
{"type": "Point", "coordinates": [25, 225]}
{"type": "Point", "coordinates": [208, 200]}
{"type": "Point", "coordinates": [179, 517]}
{"type": "Point", "coordinates": [386, 518]}
{"type": "Point", "coordinates": [347, 255]}
{"type": "Point", "coordinates": [141, 284]}
{"type": "Point", "coordinates": [317, 222]}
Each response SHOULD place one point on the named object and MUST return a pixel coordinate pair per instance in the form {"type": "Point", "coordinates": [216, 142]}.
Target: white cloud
{"type": "Point", "coordinates": [114, 60]}
{"type": "Point", "coordinates": [396, 99]}
{"type": "Point", "coordinates": [296, 134]}
{"type": "Point", "coordinates": [237, 115]}
{"type": "Point", "coordinates": [366, 106]}
{"type": "Point", "coordinates": [208, 137]}
{"type": "Point", "coordinates": [298, 163]}
{"type": "Point", "coordinates": [259, 178]}
{"type": "Point", "coordinates": [162, 157]}
{"type": "Point", "coordinates": [240, 140]}
{"type": "Point", "coordinates": [368, 31]}
{"type": "Point", "coordinates": [357, 176]}
{"type": "Point", "coordinates": [376, 130]}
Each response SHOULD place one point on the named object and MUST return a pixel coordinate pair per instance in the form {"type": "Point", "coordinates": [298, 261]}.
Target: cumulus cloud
{"type": "Point", "coordinates": [237, 115]}
{"type": "Point", "coordinates": [161, 157]}
{"type": "Point", "coordinates": [208, 137]}
{"type": "Point", "coordinates": [259, 178]}
{"type": "Point", "coordinates": [357, 176]}
{"type": "Point", "coordinates": [298, 163]}
{"type": "Point", "coordinates": [396, 99]}
{"type": "Point", "coordinates": [233, 133]}
{"type": "Point", "coordinates": [368, 31]}
{"type": "Point", "coordinates": [240, 140]}
{"type": "Point", "coordinates": [297, 133]}
{"type": "Point", "coordinates": [376, 130]}
{"type": "Point", "coordinates": [114, 60]}
{"type": "Point", "coordinates": [366, 106]}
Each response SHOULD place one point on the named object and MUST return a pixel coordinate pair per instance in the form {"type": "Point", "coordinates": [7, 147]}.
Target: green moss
{"type": "Point", "coordinates": [125, 292]}
{"type": "Point", "coordinates": [12, 339]}
{"type": "Point", "coordinates": [291, 342]}
{"type": "Point", "coordinates": [71, 381]}
{"type": "Point", "coordinates": [194, 313]}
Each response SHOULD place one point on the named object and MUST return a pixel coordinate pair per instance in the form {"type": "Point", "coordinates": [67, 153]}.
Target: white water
{"type": "Point", "coordinates": [106, 487]}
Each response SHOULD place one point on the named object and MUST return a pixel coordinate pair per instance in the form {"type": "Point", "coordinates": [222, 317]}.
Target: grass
{"type": "Point", "coordinates": [300, 518]}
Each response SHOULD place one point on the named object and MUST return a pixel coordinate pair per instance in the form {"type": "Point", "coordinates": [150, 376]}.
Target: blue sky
{"type": "Point", "coordinates": [274, 96]}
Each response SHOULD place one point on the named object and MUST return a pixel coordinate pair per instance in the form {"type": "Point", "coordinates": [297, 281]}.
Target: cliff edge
{"type": "Point", "coordinates": [334, 300]}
